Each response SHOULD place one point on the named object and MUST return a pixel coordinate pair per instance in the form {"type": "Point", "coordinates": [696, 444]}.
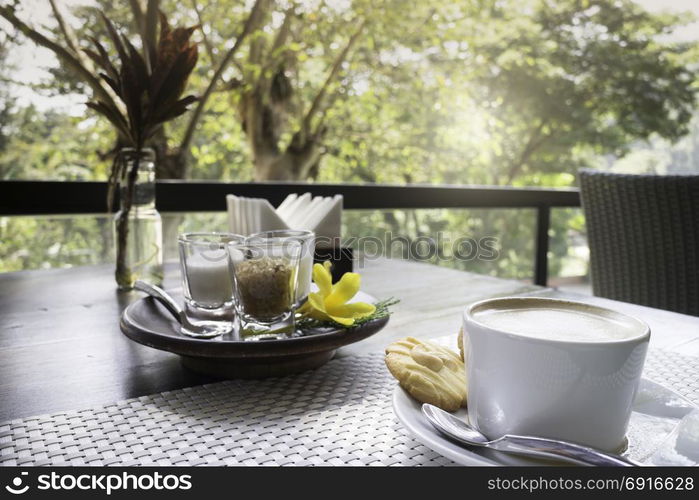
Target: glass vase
{"type": "Point", "coordinates": [138, 226]}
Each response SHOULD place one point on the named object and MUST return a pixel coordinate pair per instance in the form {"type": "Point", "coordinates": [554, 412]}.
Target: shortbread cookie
{"type": "Point", "coordinates": [429, 372]}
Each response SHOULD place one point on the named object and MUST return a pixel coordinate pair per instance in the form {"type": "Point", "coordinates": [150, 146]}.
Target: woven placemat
{"type": "Point", "coordinates": [339, 414]}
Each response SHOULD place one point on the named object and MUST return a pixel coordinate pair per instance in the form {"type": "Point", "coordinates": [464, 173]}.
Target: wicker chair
{"type": "Point", "coordinates": [643, 233]}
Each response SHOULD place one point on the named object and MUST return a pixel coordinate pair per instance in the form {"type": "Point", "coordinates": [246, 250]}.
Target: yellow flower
{"type": "Point", "coordinates": [330, 301]}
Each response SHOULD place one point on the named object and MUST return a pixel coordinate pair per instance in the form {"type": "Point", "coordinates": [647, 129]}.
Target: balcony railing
{"type": "Point", "coordinates": [64, 198]}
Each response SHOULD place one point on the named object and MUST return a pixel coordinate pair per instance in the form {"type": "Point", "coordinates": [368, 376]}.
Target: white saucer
{"type": "Point", "coordinates": [663, 430]}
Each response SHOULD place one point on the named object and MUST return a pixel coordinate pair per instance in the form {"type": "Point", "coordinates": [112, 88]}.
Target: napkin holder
{"type": "Point", "coordinates": [322, 215]}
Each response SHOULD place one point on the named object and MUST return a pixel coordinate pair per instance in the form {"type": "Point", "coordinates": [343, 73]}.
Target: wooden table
{"type": "Point", "coordinates": [61, 347]}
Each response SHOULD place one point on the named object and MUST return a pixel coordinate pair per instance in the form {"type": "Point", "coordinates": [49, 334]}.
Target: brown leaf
{"type": "Point", "coordinates": [175, 110]}
{"type": "Point", "coordinates": [138, 63]}
{"type": "Point", "coordinates": [173, 83]}
{"type": "Point", "coordinates": [113, 115]}
{"type": "Point", "coordinates": [151, 96]}
{"type": "Point", "coordinates": [116, 39]}
{"type": "Point", "coordinates": [112, 83]}
{"type": "Point", "coordinates": [164, 25]}
{"type": "Point", "coordinates": [104, 57]}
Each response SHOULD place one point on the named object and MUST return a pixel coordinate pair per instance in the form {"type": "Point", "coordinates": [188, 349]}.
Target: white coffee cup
{"type": "Point", "coordinates": [541, 374]}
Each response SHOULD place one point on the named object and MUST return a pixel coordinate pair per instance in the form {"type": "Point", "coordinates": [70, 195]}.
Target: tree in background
{"type": "Point", "coordinates": [591, 75]}
{"type": "Point", "coordinates": [72, 54]}
{"type": "Point", "coordinates": [515, 92]}
{"type": "Point", "coordinates": [262, 85]}
{"type": "Point", "coordinates": [6, 101]}
{"type": "Point", "coordinates": [481, 91]}
{"type": "Point", "coordinates": [518, 92]}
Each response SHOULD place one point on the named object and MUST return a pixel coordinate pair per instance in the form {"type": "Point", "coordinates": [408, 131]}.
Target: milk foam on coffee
{"type": "Point", "coordinates": [560, 323]}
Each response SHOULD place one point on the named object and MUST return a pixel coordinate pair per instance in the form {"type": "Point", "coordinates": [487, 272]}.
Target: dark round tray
{"type": "Point", "coordinates": [147, 322]}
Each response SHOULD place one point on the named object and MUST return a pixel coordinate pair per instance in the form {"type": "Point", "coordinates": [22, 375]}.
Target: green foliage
{"type": "Point", "coordinates": [517, 92]}
{"type": "Point", "coordinates": [45, 242]}
{"type": "Point", "coordinates": [51, 146]}
{"type": "Point", "coordinates": [505, 92]}
{"type": "Point", "coordinates": [383, 309]}
{"type": "Point", "coordinates": [512, 230]}
{"type": "Point", "coordinates": [443, 92]}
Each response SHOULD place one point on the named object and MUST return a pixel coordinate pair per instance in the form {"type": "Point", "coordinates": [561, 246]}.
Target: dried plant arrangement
{"type": "Point", "coordinates": [148, 86]}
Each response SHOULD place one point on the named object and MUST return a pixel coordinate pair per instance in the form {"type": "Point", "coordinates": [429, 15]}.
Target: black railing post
{"type": "Point", "coordinates": [541, 247]}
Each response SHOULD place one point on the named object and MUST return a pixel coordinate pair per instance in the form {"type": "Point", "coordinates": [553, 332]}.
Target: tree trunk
{"type": "Point", "coordinates": [171, 163]}
{"type": "Point", "coordinates": [291, 165]}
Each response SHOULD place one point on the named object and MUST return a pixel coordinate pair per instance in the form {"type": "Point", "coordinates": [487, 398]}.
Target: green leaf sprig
{"type": "Point", "coordinates": [382, 311]}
